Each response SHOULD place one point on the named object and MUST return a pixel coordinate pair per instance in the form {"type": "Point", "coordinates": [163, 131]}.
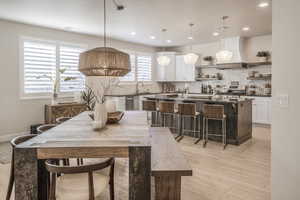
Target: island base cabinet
{"type": "Point", "coordinates": [167, 187]}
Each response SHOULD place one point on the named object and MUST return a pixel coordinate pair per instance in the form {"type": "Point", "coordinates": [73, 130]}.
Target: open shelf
{"type": "Point", "coordinates": [208, 79]}
{"type": "Point", "coordinates": [260, 78]}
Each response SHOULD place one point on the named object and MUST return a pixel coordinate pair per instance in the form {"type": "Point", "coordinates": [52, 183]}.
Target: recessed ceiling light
{"type": "Point", "coordinates": [216, 34]}
{"type": "Point", "coordinates": [190, 38]}
{"type": "Point", "coordinates": [133, 33]}
{"type": "Point", "coordinates": [168, 41]}
{"type": "Point", "coordinates": [152, 37]}
{"type": "Point", "coordinates": [246, 28]}
{"type": "Point", "coordinates": [263, 4]}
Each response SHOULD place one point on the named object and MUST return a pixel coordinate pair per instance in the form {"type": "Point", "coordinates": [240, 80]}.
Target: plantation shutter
{"type": "Point", "coordinates": [69, 60]}
{"type": "Point", "coordinates": [144, 64]}
{"type": "Point", "coordinates": [39, 66]}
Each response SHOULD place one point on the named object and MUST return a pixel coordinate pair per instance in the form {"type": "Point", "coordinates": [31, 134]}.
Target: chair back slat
{"type": "Point", "coordinates": [45, 127]}
{"type": "Point", "coordinates": [212, 111]}
{"type": "Point", "coordinates": [166, 107]}
{"type": "Point", "coordinates": [20, 139]}
{"type": "Point", "coordinates": [149, 105]}
{"type": "Point", "coordinates": [187, 109]}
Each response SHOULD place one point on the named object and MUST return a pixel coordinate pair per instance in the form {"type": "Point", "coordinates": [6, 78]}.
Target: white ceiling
{"type": "Point", "coordinates": [145, 17]}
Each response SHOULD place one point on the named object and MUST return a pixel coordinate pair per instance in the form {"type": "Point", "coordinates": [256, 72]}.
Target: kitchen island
{"type": "Point", "coordinates": [238, 113]}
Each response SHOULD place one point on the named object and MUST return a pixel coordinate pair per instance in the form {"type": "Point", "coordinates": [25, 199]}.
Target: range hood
{"type": "Point", "coordinates": [236, 46]}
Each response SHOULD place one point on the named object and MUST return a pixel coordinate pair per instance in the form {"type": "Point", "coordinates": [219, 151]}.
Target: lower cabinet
{"type": "Point", "coordinates": [261, 110]}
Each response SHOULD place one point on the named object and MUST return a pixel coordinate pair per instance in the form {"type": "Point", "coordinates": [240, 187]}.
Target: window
{"type": "Point", "coordinates": [42, 61]}
{"type": "Point", "coordinates": [144, 66]}
{"type": "Point", "coordinates": [141, 68]}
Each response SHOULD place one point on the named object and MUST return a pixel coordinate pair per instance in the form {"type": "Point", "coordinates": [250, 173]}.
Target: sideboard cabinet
{"type": "Point", "coordinates": [52, 112]}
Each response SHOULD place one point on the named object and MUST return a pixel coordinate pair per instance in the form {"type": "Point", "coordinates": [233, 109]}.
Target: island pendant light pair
{"type": "Point", "coordinates": [104, 61]}
{"type": "Point", "coordinates": [191, 58]}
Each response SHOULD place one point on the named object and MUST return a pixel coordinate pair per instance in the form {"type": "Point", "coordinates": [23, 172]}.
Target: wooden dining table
{"type": "Point", "coordinates": [131, 138]}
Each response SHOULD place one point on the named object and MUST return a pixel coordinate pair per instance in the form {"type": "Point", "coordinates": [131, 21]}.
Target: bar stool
{"type": "Point", "coordinates": [151, 107]}
{"type": "Point", "coordinates": [188, 110]}
{"type": "Point", "coordinates": [14, 142]}
{"type": "Point", "coordinates": [165, 109]}
{"type": "Point", "coordinates": [214, 112]}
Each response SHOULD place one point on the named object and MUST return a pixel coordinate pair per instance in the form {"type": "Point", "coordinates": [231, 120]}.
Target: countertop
{"type": "Point", "coordinates": [195, 99]}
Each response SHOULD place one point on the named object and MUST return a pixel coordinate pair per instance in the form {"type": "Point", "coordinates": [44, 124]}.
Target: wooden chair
{"type": "Point", "coordinates": [62, 119]}
{"type": "Point", "coordinates": [45, 127]}
{"type": "Point", "coordinates": [214, 112]}
{"type": "Point", "coordinates": [67, 187]}
{"type": "Point", "coordinates": [14, 142]}
{"type": "Point", "coordinates": [188, 110]}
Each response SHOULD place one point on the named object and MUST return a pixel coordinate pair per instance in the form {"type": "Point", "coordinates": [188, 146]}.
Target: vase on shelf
{"type": "Point", "coordinates": [54, 99]}
{"type": "Point", "coordinates": [100, 116]}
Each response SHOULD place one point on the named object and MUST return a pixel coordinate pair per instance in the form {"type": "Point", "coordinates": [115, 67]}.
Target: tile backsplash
{"type": "Point", "coordinates": [228, 76]}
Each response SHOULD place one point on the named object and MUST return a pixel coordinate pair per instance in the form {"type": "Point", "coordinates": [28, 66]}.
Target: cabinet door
{"type": "Point", "coordinates": [166, 73]}
{"type": "Point", "coordinates": [184, 72]}
{"type": "Point", "coordinates": [121, 104]}
{"type": "Point", "coordinates": [261, 111]}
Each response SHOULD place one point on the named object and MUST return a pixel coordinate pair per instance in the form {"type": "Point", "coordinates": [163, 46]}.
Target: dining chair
{"type": "Point", "coordinates": [62, 119]}
{"type": "Point", "coordinates": [45, 127]}
{"type": "Point", "coordinates": [14, 142]}
{"type": "Point", "coordinates": [71, 185]}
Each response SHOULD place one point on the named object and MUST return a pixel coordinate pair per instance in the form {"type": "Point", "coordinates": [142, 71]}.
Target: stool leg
{"type": "Point", "coordinates": [224, 134]}
{"type": "Point", "coordinates": [178, 127]}
{"type": "Point", "coordinates": [204, 131]}
{"type": "Point", "coordinates": [199, 128]}
{"type": "Point", "coordinates": [183, 128]}
{"type": "Point", "coordinates": [194, 126]}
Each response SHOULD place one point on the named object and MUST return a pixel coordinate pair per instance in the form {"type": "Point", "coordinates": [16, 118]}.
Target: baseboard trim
{"type": "Point", "coordinates": [8, 137]}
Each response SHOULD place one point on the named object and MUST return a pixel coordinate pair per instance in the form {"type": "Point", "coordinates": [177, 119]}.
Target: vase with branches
{"type": "Point", "coordinates": [101, 86]}
{"type": "Point", "coordinates": [55, 82]}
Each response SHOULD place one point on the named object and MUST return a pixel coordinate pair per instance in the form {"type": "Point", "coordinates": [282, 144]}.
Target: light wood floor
{"type": "Point", "coordinates": [237, 173]}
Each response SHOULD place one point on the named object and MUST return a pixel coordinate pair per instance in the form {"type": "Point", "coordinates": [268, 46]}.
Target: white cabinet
{"type": "Point", "coordinates": [166, 73]}
{"type": "Point", "coordinates": [261, 110]}
{"type": "Point", "coordinates": [177, 70]}
{"type": "Point", "coordinates": [184, 72]}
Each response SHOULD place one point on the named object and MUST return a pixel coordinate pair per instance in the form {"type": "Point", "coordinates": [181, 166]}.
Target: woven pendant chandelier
{"type": "Point", "coordinates": [104, 61]}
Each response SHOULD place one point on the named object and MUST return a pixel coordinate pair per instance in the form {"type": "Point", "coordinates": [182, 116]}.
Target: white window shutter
{"type": "Point", "coordinates": [144, 66]}
{"type": "Point", "coordinates": [39, 66]}
{"type": "Point", "coordinates": [69, 60]}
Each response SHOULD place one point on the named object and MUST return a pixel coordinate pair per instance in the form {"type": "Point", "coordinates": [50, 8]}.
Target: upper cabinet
{"type": "Point", "coordinates": [177, 70]}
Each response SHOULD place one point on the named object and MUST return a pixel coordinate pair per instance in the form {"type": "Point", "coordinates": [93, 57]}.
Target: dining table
{"type": "Point", "coordinates": [131, 138]}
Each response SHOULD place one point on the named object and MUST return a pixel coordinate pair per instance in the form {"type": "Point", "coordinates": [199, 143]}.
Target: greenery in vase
{"type": "Point", "coordinates": [89, 98]}
{"type": "Point", "coordinates": [56, 80]}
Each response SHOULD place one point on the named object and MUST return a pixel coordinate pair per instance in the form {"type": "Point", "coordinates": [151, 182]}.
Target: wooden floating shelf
{"type": "Point", "coordinates": [208, 79]}
{"type": "Point", "coordinates": [256, 64]}
{"type": "Point", "coordinates": [260, 78]}
{"type": "Point", "coordinates": [247, 65]}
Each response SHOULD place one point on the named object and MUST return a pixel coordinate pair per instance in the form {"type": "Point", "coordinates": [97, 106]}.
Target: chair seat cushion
{"type": "Point", "coordinates": [76, 186]}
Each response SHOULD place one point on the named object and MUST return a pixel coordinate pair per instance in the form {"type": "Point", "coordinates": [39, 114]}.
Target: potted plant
{"type": "Point", "coordinates": [263, 56]}
{"type": "Point", "coordinates": [208, 60]}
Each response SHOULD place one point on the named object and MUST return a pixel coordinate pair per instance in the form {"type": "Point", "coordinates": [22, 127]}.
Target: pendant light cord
{"type": "Point", "coordinates": [104, 24]}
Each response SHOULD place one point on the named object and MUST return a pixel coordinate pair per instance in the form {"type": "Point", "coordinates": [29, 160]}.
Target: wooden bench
{"type": "Point", "coordinates": [168, 164]}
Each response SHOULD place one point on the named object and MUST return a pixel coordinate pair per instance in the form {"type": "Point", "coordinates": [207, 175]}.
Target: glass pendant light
{"type": "Point", "coordinates": [162, 59]}
{"type": "Point", "coordinates": [224, 55]}
{"type": "Point", "coordinates": [190, 58]}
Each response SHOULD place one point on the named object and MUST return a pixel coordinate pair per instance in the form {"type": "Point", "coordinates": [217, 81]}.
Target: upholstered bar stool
{"type": "Point", "coordinates": [214, 112]}
{"type": "Point", "coordinates": [188, 110]}
{"type": "Point", "coordinates": [151, 107]}
{"type": "Point", "coordinates": [167, 109]}
{"type": "Point", "coordinates": [62, 119]}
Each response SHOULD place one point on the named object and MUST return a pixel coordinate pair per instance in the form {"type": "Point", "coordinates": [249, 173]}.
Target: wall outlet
{"type": "Point", "coordinates": [282, 100]}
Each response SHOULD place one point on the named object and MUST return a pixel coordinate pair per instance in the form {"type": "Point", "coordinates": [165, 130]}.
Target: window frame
{"type": "Point", "coordinates": [57, 43]}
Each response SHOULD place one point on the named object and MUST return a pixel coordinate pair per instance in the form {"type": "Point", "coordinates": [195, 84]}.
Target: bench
{"type": "Point", "coordinates": [168, 164]}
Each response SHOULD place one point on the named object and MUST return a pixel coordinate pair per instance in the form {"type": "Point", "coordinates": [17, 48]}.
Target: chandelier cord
{"type": "Point", "coordinates": [104, 34]}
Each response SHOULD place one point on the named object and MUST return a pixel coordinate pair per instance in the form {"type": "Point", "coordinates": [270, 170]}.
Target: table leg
{"type": "Point", "coordinates": [26, 174]}
{"type": "Point", "coordinates": [167, 187]}
{"type": "Point", "coordinates": [139, 173]}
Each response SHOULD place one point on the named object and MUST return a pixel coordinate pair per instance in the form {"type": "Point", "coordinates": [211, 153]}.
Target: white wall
{"type": "Point", "coordinates": [285, 121]}
{"type": "Point", "coordinates": [17, 115]}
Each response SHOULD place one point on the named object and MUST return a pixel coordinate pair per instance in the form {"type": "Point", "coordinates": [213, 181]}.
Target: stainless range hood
{"type": "Point", "coordinates": [236, 46]}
